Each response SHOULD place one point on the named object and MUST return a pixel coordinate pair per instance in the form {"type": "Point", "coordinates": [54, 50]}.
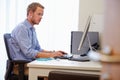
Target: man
{"type": "Point", "coordinates": [24, 38]}
{"type": "Point", "coordinates": [24, 41]}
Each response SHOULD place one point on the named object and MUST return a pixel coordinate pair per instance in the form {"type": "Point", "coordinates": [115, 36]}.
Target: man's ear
{"type": "Point", "coordinates": [31, 13]}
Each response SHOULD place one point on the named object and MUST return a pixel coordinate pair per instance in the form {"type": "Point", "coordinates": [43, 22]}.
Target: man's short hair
{"type": "Point", "coordinates": [33, 6]}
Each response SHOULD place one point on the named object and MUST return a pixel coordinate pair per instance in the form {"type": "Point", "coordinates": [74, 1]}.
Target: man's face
{"type": "Point", "coordinates": [37, 16]}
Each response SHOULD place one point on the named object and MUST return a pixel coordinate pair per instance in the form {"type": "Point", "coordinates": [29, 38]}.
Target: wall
{"type": "Point", "coordinates": [94, 8]}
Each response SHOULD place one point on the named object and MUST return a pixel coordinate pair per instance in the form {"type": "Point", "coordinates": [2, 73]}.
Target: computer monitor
{"type": "Point", "coordinates": [82, 41]}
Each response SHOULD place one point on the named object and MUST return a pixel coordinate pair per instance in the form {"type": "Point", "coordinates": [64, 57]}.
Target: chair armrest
{"type": "Point", "coordinates": [20, 61]}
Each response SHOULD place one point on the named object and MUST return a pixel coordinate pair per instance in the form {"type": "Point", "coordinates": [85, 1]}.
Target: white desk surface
{"type": "Point", "coordinates": [42, 68]}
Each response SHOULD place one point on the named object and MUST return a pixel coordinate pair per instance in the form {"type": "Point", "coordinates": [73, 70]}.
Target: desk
{"type": "Point", "coordinates": [42, 68]}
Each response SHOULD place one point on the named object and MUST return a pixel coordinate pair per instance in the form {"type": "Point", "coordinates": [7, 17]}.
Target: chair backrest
{"type": "Point", "coordinates": [7, 36]}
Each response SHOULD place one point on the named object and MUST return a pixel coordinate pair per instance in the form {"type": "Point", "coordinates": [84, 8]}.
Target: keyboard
{"type": "Point", "coordinates": [80, 58]}
{"type": "Point", "coordinates": [65, 56]}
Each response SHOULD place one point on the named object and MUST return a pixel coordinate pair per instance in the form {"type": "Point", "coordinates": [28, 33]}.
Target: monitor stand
{"type": "Point", "coordinates": [82, 58]}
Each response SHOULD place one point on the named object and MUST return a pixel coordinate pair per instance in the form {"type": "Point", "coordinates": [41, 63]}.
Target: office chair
{"type": "Point", "coordinates": [62, 75]}
{"type": "Point", "coordinates": [9, 75]}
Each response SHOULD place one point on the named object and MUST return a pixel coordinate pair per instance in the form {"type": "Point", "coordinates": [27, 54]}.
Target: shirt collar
{"type": "Point", "coordinates": [28, 24]}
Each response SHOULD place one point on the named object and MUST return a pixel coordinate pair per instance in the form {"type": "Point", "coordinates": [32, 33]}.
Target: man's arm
{"type": "Point", "coordinates": [47, 54]}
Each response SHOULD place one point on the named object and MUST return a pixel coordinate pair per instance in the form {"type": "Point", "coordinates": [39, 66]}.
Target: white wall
{"type": "Point", "coordinates": [60, 18]}
{"type": "Point", "coordinates": [94, 8]}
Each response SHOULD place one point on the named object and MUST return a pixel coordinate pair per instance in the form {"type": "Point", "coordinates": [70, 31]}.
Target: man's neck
{"type": "Point", "coordinates": [30, 21]}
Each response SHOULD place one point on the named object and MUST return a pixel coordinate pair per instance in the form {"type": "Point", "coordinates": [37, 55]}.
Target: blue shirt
{"type": "Point", "coordinates": [24, 42]}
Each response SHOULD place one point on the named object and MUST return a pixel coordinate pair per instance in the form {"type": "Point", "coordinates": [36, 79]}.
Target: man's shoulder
{"type": "Point", "coordinates": [21, 26]}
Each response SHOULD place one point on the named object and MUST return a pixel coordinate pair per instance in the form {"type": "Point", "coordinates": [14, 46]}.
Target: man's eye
{"type": "Point", "coordinates": [40, 14]}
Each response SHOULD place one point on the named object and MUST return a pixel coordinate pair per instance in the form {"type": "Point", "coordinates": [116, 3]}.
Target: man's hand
{"type": "Point", "coordinates": [57, 54]}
